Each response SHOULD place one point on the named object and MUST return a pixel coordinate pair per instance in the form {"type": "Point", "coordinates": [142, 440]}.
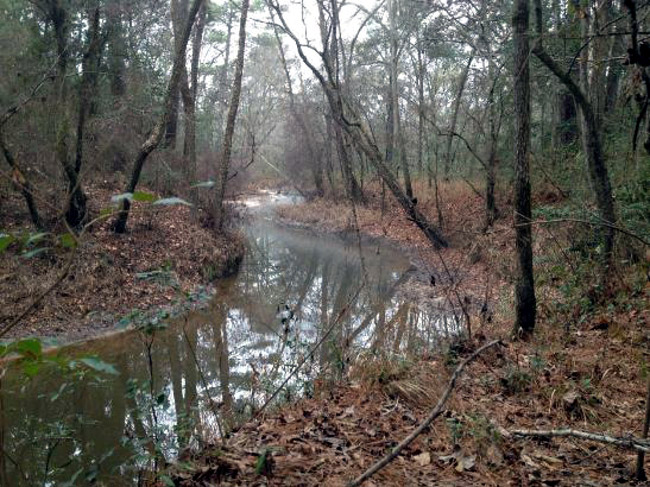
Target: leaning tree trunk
{"type": "Point", "coordinates": [158, 131]}
{"type": "Point", "coordinates": [21, 183]}
{"type": "Point", "coordinates": [525, 304]}
{"type": "Point", "coordinates": [592, 146]}
{"type": "Point", "coordinates": [362, 137]}
{"type": "Point", "coordinates": [454, 117]}
{"type": "Point", "coordinates": [230, 120]}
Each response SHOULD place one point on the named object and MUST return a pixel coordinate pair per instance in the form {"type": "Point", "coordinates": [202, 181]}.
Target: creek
{"type": "Point", "coordinates": [178, 383]}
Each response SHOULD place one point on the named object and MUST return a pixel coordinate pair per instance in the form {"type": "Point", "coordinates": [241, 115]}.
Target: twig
{"type": "Point", "coordinates": [629, 442]}
{"type": "Point", "coordinates": [329, 331]}
{"type": "Point", "coordinates": [425, 424]}
{"type": "Point", "coordinates": [640, 472]}
{"type": "Point", "coordinates": [601, 223]}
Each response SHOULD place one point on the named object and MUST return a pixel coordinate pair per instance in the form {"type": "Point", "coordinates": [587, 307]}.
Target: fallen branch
{"type": "Point", "coordinates": [425, 424]}
{"type": "Point", "coordinates": [629, 442]}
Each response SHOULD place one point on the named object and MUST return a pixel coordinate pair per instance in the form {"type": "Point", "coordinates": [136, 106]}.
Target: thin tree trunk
{"type": "Point", "coordinates": [189, 92]}
{"type": "Point", "coordinates": [640, 470]}
{"type": "Point", "coordinates": [454, 117]}
{"type": "Point", "coordinates": [230, 121]}
{"type": "Point", "coordinates": [76, 203]}
{"type": "Point", "coordinates": [157, 133]}
{"type": "Point", "coordinates": [21, 183]}
{"type": "Point", "coordinates": [223, 79]}
{"type": "Point", "coordinates": [525, 304]}
{"type": "Point", "coordinates": [86, 96]}
{"type": "Point", "coordinates": [315, 163]}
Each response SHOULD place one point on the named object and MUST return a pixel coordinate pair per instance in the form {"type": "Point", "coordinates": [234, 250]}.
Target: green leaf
{"type": "Point", "coordinates": [144, 197]}
{"type": "Point", "coordinates": [68, 241]}
{"type": "Point", "coordinates": [30, 347]}
{"type": "Point", "coordinates": [106, 211]}
{"type": "Point", "coordinates": [262, 465]}
{"type": "Point", "coordinates": [203, 184]}
{"type": "Point", "coordinates": [171, 201]}
{"type": "Point", "coordinates": [5, 241]}
{"type": "Point", "coordinates": [167, 480]}
{"type": "Point", "coordinates": [35, 252]}
{"type": "Point", "coordinates": [36, 237]}
{"type": "Point", "coordinates": [99, 365]}
{"type": "Point", "coordinates": [31, 368]}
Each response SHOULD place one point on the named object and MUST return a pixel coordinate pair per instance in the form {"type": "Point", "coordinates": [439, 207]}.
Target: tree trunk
{"type": "Point", "coordinates": [230, 121]}
{"type": "Point", "coordinates": [76, 203]}
{"type": "Point", "coordinates": [77, 209]}
{"type": "Point", "coordinates": [21, 183]}
{"type": "Point", "coordinates": [315, 163]}
{"type": "Point", "coordinates": [352, 188]}
{"type": "Point", "coordinates": [525, 304]}
{"type": "Point", "coordinates": [158, 131]}
{"type": "Point", "coordinates": [189, 92]}
{"type": "Point", "coordinates": [397, 137]}
{"type": "Point", "coordinates": [362, 137]}
{"type": "Point", "coordinates": [454, 118]}
{"type": "Point", "coordinates": [591, 144]}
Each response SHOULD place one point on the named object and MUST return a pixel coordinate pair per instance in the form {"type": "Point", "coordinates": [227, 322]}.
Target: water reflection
{"type": "Point", "coordinates": [192, 380]}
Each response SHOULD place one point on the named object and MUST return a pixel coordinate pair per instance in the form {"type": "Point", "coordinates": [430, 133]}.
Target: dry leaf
{"type": "Point", "coordinates": [423, 459]}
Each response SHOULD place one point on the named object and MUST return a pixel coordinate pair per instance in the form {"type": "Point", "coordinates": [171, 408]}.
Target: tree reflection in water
{"type": "Point", "coordinates": [230, 357]}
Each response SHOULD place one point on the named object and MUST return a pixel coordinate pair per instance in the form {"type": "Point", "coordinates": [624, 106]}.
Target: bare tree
{"type": "Point", "coordinates": [346, 117]}
{"type": "Point", "coordinates": [157, 132]}
{"type": "Point", "coordinates": [226, 149]}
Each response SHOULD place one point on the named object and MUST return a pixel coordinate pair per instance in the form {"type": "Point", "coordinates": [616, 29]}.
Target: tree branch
{"type": "Point", "coordinates": [425, 424]}
{"type": "Point", "coordinates": [629, 442]}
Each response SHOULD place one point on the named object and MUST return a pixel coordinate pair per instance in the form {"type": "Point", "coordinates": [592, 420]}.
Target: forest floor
{"type": "Point", "coordinates": [164, 264]}
{"type": "Point", "coordinates": [584, 368]}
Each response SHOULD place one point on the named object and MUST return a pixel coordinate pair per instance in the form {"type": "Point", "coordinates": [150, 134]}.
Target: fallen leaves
{"type": "Point", "coordinates": [104, 274]}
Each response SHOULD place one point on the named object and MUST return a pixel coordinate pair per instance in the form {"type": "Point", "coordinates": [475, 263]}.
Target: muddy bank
{"type": "Point", "coordinates": [461, 276]}
{"type": "Point", "coordinates": [165, 264]}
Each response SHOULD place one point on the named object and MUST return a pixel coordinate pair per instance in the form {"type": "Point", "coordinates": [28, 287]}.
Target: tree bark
{"type": "Point", "coordinates": [158, 131]}
{"type": "Point", "coordinates": [230, 121]}
{"type": "Point", "coordinates": [592, 146]}
{"type": "Point", "coordinates": [76, 203]}
{"type": "Point", "coordinates": [525, 304]}
{"type": "Point", "coordinates": [189, 92]}
{"type": "Point", "coordinates": [21, 183]}
{"type": "Point", "coordinates": [77, 209]}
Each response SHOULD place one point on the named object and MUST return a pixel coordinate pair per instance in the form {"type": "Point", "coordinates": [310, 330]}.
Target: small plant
{"type": "Point", "coordinates": [515, 380]}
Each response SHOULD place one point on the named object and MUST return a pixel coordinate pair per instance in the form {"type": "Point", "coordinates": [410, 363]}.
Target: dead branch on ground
{"type": "Point", "coordinates": [629, 442]}
{"type": "Point", "coordinates": [435, 412]}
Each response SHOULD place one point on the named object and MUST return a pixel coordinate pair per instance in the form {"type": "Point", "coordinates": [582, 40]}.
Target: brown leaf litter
{"type": "Point", "coordinates": [109, 274]}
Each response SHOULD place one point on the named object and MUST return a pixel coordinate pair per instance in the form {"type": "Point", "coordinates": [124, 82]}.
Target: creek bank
{"type": "Point", "coordinates": [436, 280]}
{"type": "Point", "coordinates": [165, 264]}
{"type": "Point", "coordinates": [581, 369]}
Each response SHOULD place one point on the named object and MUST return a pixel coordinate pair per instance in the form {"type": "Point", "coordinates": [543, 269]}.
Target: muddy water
{"type": "Point", "coordinates": [181, 383]}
